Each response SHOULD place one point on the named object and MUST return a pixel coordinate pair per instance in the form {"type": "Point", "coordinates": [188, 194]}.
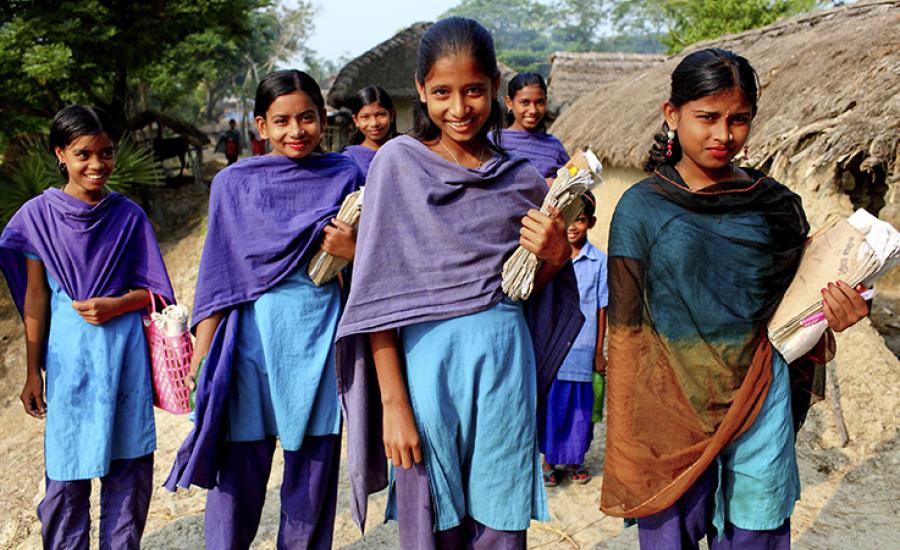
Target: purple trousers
{"type": "Point", "coordinates": [685, 523]}
{"type": "Point", "coordinates": [416, 522]}
{"type": "Point", "coordinates": [65, 511]}
{"type": "Point", "coordinates": [308, 494]}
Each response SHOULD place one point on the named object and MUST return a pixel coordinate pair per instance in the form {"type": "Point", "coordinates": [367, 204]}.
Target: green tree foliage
{"type": "Point", "coordinates": [684, 22]}
{"type": "Point", "coordinates": [180, 56]}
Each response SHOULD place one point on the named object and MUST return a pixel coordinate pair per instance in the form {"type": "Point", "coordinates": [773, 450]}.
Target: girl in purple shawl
{"type": "Point", "coordinates": [265, 332]}
{"type": "Point", "coordinates": [455, 361]}
{"type": "Point", "coordinates": [79, 262]}
{"type": "Point", "coordinates": [376, 122]}
{"type": "Point", "coordinates": [526, 103]}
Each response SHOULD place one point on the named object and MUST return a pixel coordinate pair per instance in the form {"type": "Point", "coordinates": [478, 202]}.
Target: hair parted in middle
{"type": "Point", "coordinates": [456, 37]}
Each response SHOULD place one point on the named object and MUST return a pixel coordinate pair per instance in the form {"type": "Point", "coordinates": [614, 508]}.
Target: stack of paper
{"type": "Point", "coordinates": [856, 250]}
{"type": "Point", "coordinates": [580, 174]}
{"type": "Point", "coordinates": [325, 267]}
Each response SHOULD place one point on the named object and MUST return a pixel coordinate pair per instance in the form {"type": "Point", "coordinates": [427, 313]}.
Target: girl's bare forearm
{"type": "Point", "coordinates": [385, 351]}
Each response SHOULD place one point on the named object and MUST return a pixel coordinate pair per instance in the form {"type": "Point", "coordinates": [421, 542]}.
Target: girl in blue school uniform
{"type": "Point", "coordinates": [265, 333]}
{"type": "Point", "coordinates": [566, 429]}
{"type": "Point", "coordinates": [457, 365]}
{"type": "Point", "coordinates": [79, 261]}
{"type": "Point", "coordinates": [375, 121]}
{"type": "Point", "coordinates": [526, 104]}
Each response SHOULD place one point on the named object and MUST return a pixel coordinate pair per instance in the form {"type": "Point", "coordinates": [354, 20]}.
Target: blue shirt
{"type": "Point", "coordinates": [590, 271]}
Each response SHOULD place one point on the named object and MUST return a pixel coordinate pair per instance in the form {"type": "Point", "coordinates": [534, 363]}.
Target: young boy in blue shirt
{"type": "Point", "coordinates": [567, 430]}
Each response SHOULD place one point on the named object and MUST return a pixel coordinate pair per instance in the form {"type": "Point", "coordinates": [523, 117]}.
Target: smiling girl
{"type": "Point", "coordinates": [526, 103]}
{"type": "Point", "coordinates": [265, 332]}
{"type": "Point", "coordinates": [376, 122]}
{"type": "Point", "coordinates": [457, 365]}
{"type": "Point", "coordinates": [79, 261]}
{"type": "Point", "coordinates": [700, 439]}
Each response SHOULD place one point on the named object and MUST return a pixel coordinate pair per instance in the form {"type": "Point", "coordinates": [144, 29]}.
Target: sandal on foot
{"type": "Point", "coordinates": [579, 475]}
{"type": "Point", "coordinates": [551, 478]}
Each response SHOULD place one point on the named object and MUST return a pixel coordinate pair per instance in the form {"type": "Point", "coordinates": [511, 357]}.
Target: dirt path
{"type": "Point", "coordinates": [851, 495]}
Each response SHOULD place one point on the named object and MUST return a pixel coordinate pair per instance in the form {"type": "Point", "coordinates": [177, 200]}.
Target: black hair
{"type": "Point", "coordinates": [518, 82]}
{"type": "Point", "coordinates": [368, 96]}
{"type": "Point", "coordinates": [290, 81]}
{"type": "Point", "coordinates": [590, 204]}
{"type": "Point", "coordinates": [702, 74]}
{"type": "Point", "coordinates": [76, 121]}
{"type": "Point", "coordinates": [456, 36]}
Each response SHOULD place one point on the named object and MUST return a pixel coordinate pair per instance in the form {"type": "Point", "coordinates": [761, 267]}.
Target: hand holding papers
{"type": "Point", "coordinates": [856, 250]}
{"type": "Point", "coordinates": [324, 267]}
{"type": "Point", "coordinates": [580, 174]}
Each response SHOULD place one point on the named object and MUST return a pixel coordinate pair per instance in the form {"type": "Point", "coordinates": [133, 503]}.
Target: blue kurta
{"type": "Point", "coordinates": [590, 271]}
{"type": "Point", "coordinates": [284, 381]}
{"type": "Point", "coordinates": [99, 391]}
{"type": "Point", "coordinates": [473, 389]}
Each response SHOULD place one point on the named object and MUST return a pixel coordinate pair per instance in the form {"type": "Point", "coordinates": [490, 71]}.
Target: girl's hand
{"type": "Point", "coordinates": [843, 305]}
{"type": "Point", "coordinates": [33, 395]}
{"type": "Point", "coordinates": [600, 364]}
{"type": "Point", "coordinates": [339, 241]}
{"type": "Point", "coordinates": [545, 236]}
{"type": "Point", "coordinates": [97, 311]}
{"type": "Point", "coordinates": [191, 380]}
{"type": "Point", "coordinates": [401, 438]}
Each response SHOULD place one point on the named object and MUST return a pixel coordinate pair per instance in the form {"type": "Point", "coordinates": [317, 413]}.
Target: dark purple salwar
{"type": "Point", "coordinates": [409, 269]}
{"type": "Point", "coordinates": [684, 524]}
{"type": "Point", "coordinates": [415, 520]}
{"type": "Point", "coordinates": [566, 430]}
{"type": "Point", "coordinates": [308, 494]}
{"type": "Point", "coordinates": [65, 511]}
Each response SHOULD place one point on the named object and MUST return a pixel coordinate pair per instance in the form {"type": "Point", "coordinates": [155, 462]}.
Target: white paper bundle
{"type": "Point", "coordinates": [172, 320]}
{"type": "Point", "coordinates": [580, 174]}
{"type": "Point", "coordinates": [857, 250]}
{"type": "Point", "coordinates": [325, 267]}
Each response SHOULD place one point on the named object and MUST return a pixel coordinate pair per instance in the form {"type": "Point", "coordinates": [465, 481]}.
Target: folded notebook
{"type": "Point", "coordinates": [325, 267]}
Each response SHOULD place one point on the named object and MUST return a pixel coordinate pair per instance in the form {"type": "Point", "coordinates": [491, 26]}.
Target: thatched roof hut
{"type": "Point", "coordinates": [574, 74]}
{"type": "Point", "coordinates": [391, 65]}
{"type": "Point", "coordinates": [829, 111]}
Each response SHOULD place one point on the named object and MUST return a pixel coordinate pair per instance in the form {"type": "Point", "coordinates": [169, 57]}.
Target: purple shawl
{"type": "Point", "coordinates": [544, 151]}
{"type": "Point", "coordinates": [91, 251]}
{"type": "Point", "coordinates": [433, 237]}
{"type": "Point", "coordinates": [266, 215]}
{"type": "Point", "coordinates": [361, 155]}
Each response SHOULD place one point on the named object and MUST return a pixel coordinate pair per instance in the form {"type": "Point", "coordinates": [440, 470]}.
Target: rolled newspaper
{"type": "Point", "coordinates": [172, 320]}
{"type": "Point", "coordinates": [580, 174]}
{"type": "Point", "coordinates": [325, 267]}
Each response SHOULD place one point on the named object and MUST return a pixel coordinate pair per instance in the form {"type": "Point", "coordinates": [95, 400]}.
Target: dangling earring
{"type": "Point", "coordinates": [746, 152]}
{"type": "Point", "coordinates": [671, 135]}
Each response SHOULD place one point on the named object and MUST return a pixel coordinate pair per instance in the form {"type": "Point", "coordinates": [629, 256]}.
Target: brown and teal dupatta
{"type": "Point", "coordinates": [693, 278]}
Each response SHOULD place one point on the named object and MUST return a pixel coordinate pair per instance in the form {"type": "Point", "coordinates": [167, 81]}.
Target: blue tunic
{"type": "Point", "coordinates": [99, 391]}
{"type": "Point", "coordinates": [473, 389]}
{"type": "Point", "coordinates": [284, 381]}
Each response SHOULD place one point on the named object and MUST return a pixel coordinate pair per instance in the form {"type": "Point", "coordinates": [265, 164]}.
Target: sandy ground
{"type": "Point", "coordinates": [851, 495]}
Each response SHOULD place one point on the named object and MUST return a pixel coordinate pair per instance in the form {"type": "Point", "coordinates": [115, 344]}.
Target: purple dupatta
{"type": "Point", "coordinates": [266, 215]}
{"type": "Point", "coordinates": [92, 251]}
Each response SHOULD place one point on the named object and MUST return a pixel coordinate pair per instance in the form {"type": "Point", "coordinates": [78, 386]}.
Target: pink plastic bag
{"type": "Point", "coordinates": [170, 362]}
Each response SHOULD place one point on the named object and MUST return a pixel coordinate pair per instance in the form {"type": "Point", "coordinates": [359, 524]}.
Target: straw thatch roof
{"type": "Point", "coordinates": [829, 111]}
{"type": "Point", "coordinates": [573, 74]}
{"type": "Point", "coordinates": [391, 65]}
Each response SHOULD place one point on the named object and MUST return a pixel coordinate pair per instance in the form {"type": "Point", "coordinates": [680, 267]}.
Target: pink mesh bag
{"type": "Point", "coordinates": [170, 362]}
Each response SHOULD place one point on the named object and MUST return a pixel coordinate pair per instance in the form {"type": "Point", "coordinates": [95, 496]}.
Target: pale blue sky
{"type": "Point", "coordinates": [351, 27]}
